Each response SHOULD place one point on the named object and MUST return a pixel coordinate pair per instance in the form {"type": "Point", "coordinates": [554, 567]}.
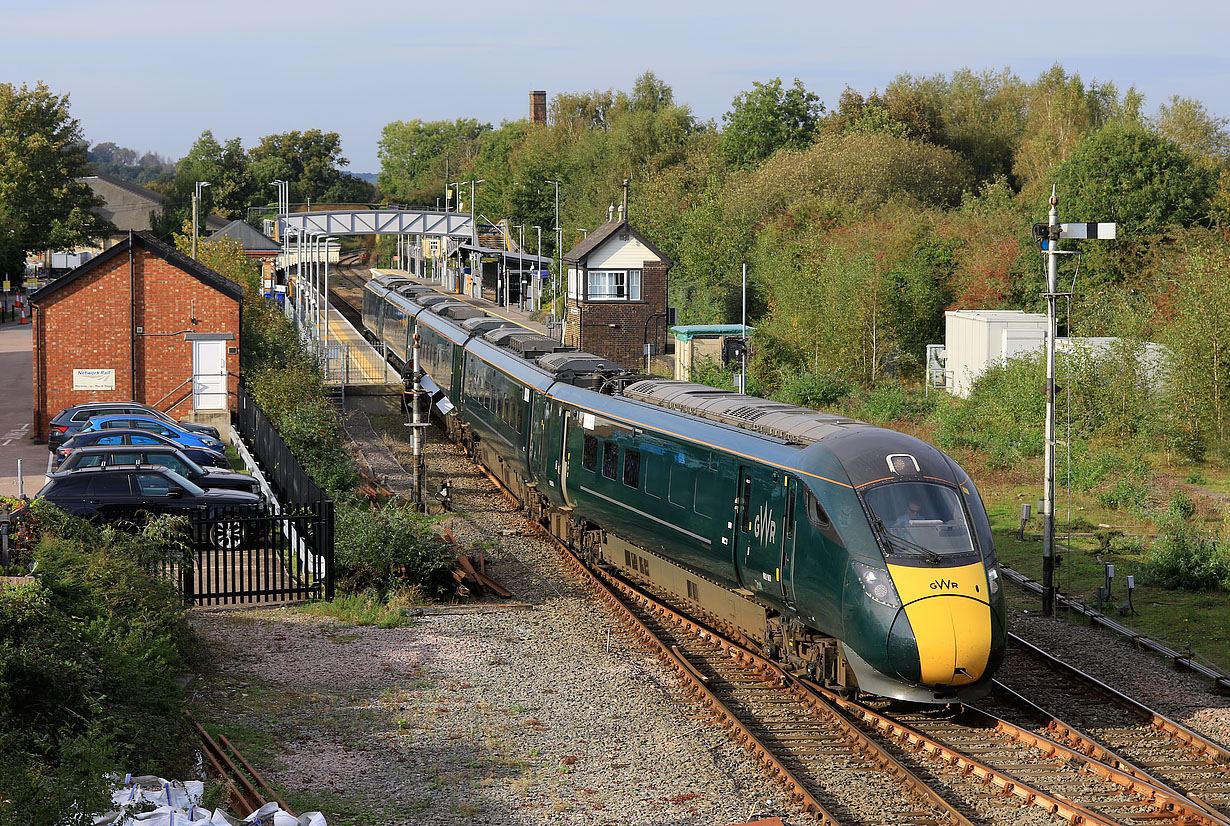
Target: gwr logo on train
{"type": "Point", "coordinates": [764, 528]}
{"type": "Point", "coordinates": [942, 584]}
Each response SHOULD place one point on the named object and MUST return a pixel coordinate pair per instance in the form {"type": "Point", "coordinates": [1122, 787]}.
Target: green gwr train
{"type": "Point", "coordinates": [856, 554]}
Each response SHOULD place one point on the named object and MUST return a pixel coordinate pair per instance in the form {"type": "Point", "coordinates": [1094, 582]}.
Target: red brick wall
{"type": "Point", "coordinates": [589, 323]}
{"type": "Point", "coordinates": [87, 324]}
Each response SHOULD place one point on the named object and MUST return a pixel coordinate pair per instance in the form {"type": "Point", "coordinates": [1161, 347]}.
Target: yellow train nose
{"type": "Point", "coordinates": [950, 616]}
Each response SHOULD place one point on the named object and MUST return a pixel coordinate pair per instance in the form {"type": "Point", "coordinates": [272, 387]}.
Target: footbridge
{"type": "Point", "coordinates": [379, 222]}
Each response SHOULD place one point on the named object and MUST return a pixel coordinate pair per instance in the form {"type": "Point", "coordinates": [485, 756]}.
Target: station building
{"type": "Point", "coordinates": [616, 300]}
{"type": "Point", "coordinates": [142, 322]}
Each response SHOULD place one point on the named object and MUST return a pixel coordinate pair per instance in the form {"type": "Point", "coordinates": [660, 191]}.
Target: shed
{"type": "Point", "coordinates": [616, 300]}
{"type": "Point", "coordinates": [694, 343]}
{"type": "Point", "coordinates": [976, 339]}
{"type": "Point", "coordinates": [140, 322]}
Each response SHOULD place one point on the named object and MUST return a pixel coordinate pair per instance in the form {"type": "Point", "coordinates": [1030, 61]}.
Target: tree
{"type": "Point", "coordinates": [418, 158]}
{"type": "Point", "coordinates": [225, 167]}
{"type": "Point", "coordinates": [43, 203]}
{"type": "Point", "coordinates": [1189, 124]}
{"type": "Point", "coordinates": [1138, 179]}
{"type": "Point", "coordinates": [768, 118]}
{"type": "Point", "coordinates": [310, 160]}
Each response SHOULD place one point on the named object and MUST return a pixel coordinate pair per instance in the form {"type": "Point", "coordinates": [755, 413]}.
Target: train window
{"type": "Point", "coordinates": [745, 501]}
{"type": "Point", "coordinates": [632, 468]}
{"type": "Point", "coordinates": [589, 454]}
{"type": "Point", "coordinates": [790, 497]}
{"type": "Point", "coordinates": [815, 512]}
{"type": "Point", "coordinates": [610, 460]}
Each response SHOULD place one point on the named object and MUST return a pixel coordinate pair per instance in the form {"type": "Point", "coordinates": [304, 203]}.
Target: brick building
{"type": "Point", "coordinates": [616, 301]}
{"type": "Point", "coordinates": [139, 322]}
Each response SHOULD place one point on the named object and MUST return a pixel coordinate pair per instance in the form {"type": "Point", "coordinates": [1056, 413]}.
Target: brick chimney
{"type": "Point", "coordinates": [538, 107]}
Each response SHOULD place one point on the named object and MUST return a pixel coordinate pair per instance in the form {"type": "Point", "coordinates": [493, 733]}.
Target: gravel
{"type": "Point", "coordinates": [479, 714]}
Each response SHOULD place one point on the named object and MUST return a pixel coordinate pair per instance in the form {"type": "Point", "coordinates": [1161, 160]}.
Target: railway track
{"type": "Point", "coordinates": [246, 790]}
{"type": "Point", "coordinates": [954, 764]}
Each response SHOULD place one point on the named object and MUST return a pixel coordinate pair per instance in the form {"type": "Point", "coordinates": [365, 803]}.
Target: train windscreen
{"type": "Point", "coordinates": [920, 518]}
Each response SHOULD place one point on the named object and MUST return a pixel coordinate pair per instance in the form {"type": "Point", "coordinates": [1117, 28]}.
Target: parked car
{"type": "Point", "coordinates": [70, 420]}
{"type": "Point", "coordinates": [142, 438]}
{"type": "Point", "coordinates": [162, 455]}
{"type": "Point", "coordinates": [172, 431]}
{"type": "Point", "coordinates": [126, 493]}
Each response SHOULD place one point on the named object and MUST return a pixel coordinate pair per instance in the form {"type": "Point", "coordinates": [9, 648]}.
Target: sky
{"type": "Point", "coordinates": [152, 75]}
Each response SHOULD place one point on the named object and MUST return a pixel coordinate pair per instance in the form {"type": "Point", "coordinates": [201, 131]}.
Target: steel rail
{"type": "Point", "coordinates": [244, 795]}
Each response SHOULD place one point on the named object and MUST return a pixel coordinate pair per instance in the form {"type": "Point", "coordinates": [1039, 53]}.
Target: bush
{"type": "Point", "coordinates": [88, 658]}
{"type": "Point", "coordinates": [389, 548]}
{"type": "Point", "coordinates": [813, 389]}
{"type": "Point", "coordinates": [1184, 558]}
{"type": "Point", "coordinates": [313, 432]}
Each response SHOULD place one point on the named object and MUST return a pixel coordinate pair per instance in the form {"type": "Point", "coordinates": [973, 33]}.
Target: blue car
{"type": "Point", "coordinates": [139, 439]}
{"type": "Point", "coordinates": [174, 432]}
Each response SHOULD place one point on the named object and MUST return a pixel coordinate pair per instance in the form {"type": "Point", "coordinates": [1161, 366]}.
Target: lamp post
{"type": "Point", "coordinates": [559, 241]}
{"type": "Point", "coordinates": [451, 193]}
{"type": "Point", "coordinates": [474, 216]}
{"type": "Point", "coordinates": [521, 256]}
{"type": "Point", "coordinates": [325, 352]}
{"type": "Point", "coordinates": [537, 264]}
{"type": "Point", "coordinates": [196, 197]}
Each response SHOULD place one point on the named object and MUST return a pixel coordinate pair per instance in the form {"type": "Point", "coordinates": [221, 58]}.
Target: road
{"type": "Point", "coordinates": [17, 413]}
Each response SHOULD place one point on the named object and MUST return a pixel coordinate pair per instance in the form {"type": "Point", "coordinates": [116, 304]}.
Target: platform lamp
{"type": "Point", "coordinates": [196, 197]}
{"type": "Point", "coordinates": [326, 299]}
{"type": "Point", "coordinates": [537, 266]}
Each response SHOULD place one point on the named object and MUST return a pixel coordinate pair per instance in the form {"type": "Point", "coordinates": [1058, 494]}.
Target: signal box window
{"type": "Point", "coordinates": [632, 468]}
{"type": "Point", "coordinates": [589, 454]}
{"type": "Point", "coordinates": [614, 285]}
{"type": "Point", "coordinates": [610, 460]}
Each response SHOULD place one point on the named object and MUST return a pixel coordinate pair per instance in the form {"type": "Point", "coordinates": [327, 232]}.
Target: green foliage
{"type": "Point", "coordinates": [1198, 335]}
{"type": "Point", "coordinates": [314, 434]}
{"type": "Point", "coordinates": [1185, 558]}
{"type": "Point", "coordinates": [813, 389]}
{"type": "Point", "coordinates": [311, 161]}
{"type": "Point", "coordinates": [889, 402]}
{"type": "Point", "coordinates": [1002, 416]}
{"type": "Point", "coordinates": [88, 658]}
{"type": "Point", "coordinates": [1140, 180]}
{"type": "Point", "coordinates": [44, 204]}
{"type": "Point", "coordinates": [768, 118]}
{"type": "Point", "coordinates": [709, 372]}
{"type": "Point", "coordinates": [419, 158]}
{"type": "Point", "coordinates": [386, 549]}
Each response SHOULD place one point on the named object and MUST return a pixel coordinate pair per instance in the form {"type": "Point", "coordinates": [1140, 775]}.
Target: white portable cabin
{"type": "Point", "coordinates": [976, 339]}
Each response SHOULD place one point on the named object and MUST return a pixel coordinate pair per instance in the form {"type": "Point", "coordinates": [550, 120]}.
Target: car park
{"type": "Point", "coordinates": [144, 438]}
{"type": "Point", "coordinates": [161, 455]}
{"type": "Point", "coordinates": [70, 420]}
{"type": "Point", "coordinates": [125, 494]}
{"type": "Point", "coordinates": [172, 431]}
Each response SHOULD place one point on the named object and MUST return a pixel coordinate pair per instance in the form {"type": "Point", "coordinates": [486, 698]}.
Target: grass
{"type": "Point", "coordinates": [361, 609]}
{"type": "Point", "coordinates": [1178, 618]}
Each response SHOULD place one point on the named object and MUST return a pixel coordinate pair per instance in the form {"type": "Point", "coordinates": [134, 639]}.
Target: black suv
{"type": "Point", "coordinates": [123, 493]}
{"type": "Point", "coordinates": [71, 419]}
{"type": "Point", "coordinates": [161, 455]}
{"type": "Point", "coordinates": [139, 438]}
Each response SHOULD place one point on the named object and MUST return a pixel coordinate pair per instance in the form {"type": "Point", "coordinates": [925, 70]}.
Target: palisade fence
{"type": "Point", "coordinates": [282, 551]}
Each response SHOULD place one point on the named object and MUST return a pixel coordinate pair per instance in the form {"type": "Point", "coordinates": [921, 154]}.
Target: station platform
{"type": "Point", "coordinates": [511, 313]}
{"type": "Point", "coordinates": [350, 357]}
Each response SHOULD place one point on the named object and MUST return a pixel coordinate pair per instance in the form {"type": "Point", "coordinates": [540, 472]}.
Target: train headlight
{"type": "Point", "coordinates": [877, 584]}
{"type": "Point", "coordinates": [993, 581]}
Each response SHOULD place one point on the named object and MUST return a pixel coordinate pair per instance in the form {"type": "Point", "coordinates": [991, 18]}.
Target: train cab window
{"type": "Point", "coordinates": [815, 512]}
{"type": "Point", "coordinates": [632, 468]}
{"type": "Point", "coordinates": [610, 460]}
{"type": "Point", "coordinates": [589, 453]}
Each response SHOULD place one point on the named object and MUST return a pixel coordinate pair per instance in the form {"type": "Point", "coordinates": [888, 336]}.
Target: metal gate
{"type": "Point", "coordinates": [249, 555]}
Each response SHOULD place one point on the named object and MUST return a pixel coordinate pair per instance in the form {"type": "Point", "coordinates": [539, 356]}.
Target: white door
{"type": "Point", "coordinates": [209, 375]}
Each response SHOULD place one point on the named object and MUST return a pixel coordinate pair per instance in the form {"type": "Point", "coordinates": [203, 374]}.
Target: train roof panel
{"type": "Point", "coordinates": [458, 311]}
{"type": "Point", "coordinates": [791, 423]}
{"type": "Point", "coordinates": [485, 323]}
{"type": "Point", "coordinates": [531, 347]}
{"type": "Point", "coordinates": [503, 336]}
{"type": "Point", "coordinates": [431, 300]}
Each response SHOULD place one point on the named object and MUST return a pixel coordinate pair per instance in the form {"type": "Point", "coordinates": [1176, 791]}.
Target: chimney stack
{"type": "Point", "coordinates": [538, 107]}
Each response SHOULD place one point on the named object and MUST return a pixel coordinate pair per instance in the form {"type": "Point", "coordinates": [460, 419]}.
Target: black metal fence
{"type": "Point", "coordinates": [244, 555]}
{"type": "Point", "coordinates": [290, 482]}
{"type": "Point", "coordinates": [266, 553]}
